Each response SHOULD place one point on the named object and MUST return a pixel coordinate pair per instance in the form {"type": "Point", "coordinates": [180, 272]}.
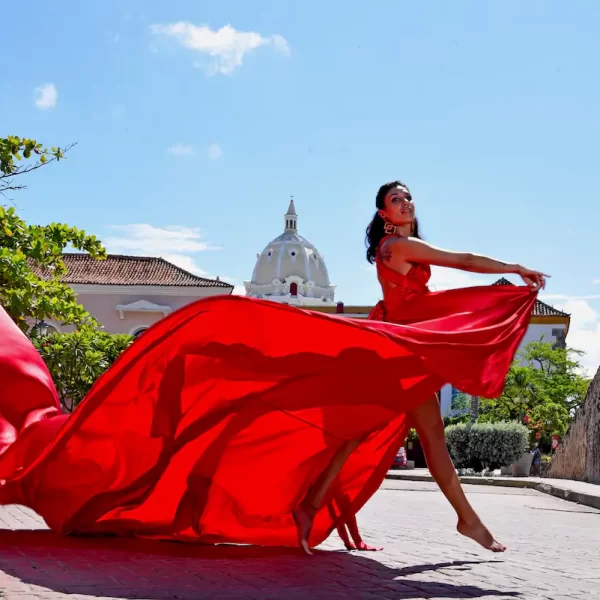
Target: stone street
{"type": "Point", "coordinates": [554, 552]}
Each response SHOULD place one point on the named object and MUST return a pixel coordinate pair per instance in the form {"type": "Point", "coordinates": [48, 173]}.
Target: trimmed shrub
{"type": "Point", "coordinates": [457, 440]}
{"type": "Point", "coordinates": [486, 446]}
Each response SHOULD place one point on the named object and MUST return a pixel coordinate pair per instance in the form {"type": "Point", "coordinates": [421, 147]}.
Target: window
{"type": "Point", "coordinates": [560, 335]}
{"type": "Point", "coordinates": [138, 332]}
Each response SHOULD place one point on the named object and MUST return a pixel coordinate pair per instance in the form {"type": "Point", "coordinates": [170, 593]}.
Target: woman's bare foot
{"type": "Point", "coordinates": [361, 546]}
{"type": "Point", "coordinates": [366, 548]}
{"type": "Point", "coordinates": [478, 532]}
{"type": "Point", "coordinates": [304, 517]}
{"type": "Point", "coordinates": [357, 541]}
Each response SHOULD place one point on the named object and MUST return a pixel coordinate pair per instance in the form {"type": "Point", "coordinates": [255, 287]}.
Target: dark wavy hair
{"type": "Point", "coordinates": [375, 232]}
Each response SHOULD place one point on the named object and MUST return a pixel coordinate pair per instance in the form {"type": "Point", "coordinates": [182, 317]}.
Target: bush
{"type": "Point", "coordinates": [412, 435]}
{"type": "Point", "coordinates": [457, 440]}
{"type": "Point", "coordinates": [76, 360]}
{"type": "Point", "coordinates": [484, 446]}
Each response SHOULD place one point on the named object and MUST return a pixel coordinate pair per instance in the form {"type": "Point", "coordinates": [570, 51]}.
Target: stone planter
{"type": "Point", "coordinates": [506, 470]}
{"type": "Point", "coordinates": [523, 466]}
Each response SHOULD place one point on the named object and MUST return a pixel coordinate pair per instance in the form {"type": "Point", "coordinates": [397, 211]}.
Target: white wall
{"type": "Point", "coordinates": [102, 304]}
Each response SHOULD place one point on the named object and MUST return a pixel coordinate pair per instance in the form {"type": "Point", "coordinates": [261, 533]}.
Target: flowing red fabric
{"type": "Point", "coordinates": [212, 426]}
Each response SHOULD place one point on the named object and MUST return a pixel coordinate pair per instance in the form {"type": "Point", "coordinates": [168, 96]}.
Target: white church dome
{"type": "Point", "coordinates": [290, 269]}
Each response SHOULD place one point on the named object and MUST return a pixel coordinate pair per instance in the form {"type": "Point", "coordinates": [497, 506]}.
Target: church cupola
{"type": "Point", "coordinates": [291, 217]}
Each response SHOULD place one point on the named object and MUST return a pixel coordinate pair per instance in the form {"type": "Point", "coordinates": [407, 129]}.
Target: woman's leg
{"type": "Point", "coordinates": [430, 427]}
{"type": "Point", "coordinates": [306, 511]}
{"type": "Point", "coordinates": [359, 543]}
{"type": "Point", "coordinates": [343, 533]}
{"type": "Point", "coordinates": [350, 526]}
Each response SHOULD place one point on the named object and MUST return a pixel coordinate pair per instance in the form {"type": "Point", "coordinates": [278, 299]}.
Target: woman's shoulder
{"type": "Point", "coordinates": [389, 242]}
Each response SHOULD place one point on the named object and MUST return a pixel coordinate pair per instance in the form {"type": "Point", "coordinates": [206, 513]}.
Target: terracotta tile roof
{"type": "Point", "coordinates": [541, 309]}
{"type": "Point", "coordinates": [131, 270]}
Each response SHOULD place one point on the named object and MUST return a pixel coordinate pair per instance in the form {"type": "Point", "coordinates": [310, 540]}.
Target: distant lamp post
{"type": "Point", "coordinates": [41, 329]}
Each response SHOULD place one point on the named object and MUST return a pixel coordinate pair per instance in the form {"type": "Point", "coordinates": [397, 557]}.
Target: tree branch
{"type": "Point", "coordinates": [6, 179]}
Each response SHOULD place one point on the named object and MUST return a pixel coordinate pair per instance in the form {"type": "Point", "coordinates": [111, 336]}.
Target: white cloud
{"type": "Point", "coordinates": [185, 262]}
{"type": "Point", "coordinates": [596, 281]}
{"type": "Point", "coordinates": [180, 150]}
{"type": "Point", "coordinates": [545, 297]}
{"type": "Point", "coordinates": [225, 47]}
{"type": "Point", "coordinates": [281, 44]}
{"type": "Point", "coordinates": [47, 96]}
{"type": "Point", "coordinates": [214, 152]}
{"type": "Point", "coordinates": [141, 237]}
{"type": "Point", "coordinates": [584, 332]}
{"type": "Point", "coordinates": [175, 244]}
{"type": "Point", "coordinates": [448, 279]}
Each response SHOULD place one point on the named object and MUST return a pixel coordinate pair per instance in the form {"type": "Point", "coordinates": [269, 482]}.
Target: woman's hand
{"type": "Point", "coordinates": [534, 279]}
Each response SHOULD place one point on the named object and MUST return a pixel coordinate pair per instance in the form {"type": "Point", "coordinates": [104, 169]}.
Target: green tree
{"type": "Point", "coordinates": [544, 387]}
{"type": "Point", "coordinates": [13, 150]}
{"type": "Point", "coordinates": [31, 264]}
{"type": "Point", "coordinates": [76, 360]}
{"type": "Point", "coordinates": [459, 410]}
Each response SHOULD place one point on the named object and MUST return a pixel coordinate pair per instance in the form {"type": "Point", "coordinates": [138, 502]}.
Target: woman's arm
{"type": "Point", "coordinates": [396, 252]}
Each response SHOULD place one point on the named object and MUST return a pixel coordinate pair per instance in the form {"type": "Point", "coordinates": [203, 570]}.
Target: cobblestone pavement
{"type": "Point", "coordinates": [554, 552]}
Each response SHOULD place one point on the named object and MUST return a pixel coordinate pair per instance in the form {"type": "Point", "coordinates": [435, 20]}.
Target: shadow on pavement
{"type": "Point", "coordinates": [43, 564]}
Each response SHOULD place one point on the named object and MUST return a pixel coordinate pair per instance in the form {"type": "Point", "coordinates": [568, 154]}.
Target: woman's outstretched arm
{"type": "Point", "coordinates": [396, 252]}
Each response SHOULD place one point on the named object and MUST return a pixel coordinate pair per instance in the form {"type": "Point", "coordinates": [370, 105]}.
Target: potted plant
{"type": "Point", "coordinates": [522, 467]}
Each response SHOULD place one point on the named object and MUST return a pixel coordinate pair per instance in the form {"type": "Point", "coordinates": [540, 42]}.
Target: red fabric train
{"type": "Point", "coordinates": [216, 421]}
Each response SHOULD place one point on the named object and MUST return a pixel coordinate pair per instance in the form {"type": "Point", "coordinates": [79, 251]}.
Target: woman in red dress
{"type": "Point", "coordinates": [403, 267]}
{"type": "Point", "coordinates": [213, 425]}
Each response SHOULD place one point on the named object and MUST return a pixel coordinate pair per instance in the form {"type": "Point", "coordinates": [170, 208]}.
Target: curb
{"type": "Point", "coordinates": [546, 488]}
{"type": "Point", "coordinates": [569, 495]}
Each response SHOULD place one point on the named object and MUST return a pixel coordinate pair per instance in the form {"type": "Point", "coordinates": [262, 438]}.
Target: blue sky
{"type": "Point", "coordinates": [192, 137]}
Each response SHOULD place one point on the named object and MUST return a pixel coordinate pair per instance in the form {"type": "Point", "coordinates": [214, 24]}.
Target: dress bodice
{"type": "Point", "coordinates": [414, 283]}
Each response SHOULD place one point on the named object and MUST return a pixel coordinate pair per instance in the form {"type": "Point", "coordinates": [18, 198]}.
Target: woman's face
{"type": "Point", "coordinates": [398, 207]}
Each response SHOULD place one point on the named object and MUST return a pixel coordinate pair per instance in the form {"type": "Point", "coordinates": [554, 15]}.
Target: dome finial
{"type": "Point", "coordinates": [291, 217]}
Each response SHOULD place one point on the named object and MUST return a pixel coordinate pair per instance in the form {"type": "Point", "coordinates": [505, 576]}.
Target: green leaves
{"type": "Point", "coordinates": [14, 150]}
{"type": "Point", "coordinates": [76, 360]}
{"type": "Point", "coordinates": [486, 446]}
{"type": "Point", "coordinates": [544, 387]}
{"type": "Point", "coordinates": [31, 264]}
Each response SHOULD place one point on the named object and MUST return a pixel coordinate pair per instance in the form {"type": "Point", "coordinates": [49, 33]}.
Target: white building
{"type": "Point", "coordinates": [127, 294]}
{"type": "Point", "coordinates": [291, 270]}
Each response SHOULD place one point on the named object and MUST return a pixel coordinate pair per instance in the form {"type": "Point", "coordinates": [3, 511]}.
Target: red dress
{"type": "Point", "coordinates": [212, 426]}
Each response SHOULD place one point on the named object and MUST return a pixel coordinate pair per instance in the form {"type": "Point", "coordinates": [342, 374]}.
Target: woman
{"type": "Point", "coordinates": [214, 425]}
{"type": "Point", "coordinates": [403, 267]}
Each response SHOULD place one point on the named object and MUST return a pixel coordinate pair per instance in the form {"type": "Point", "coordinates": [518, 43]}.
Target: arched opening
{"type": "Point", "coordinates": [294, 288]}
{"type": "Point", "coordinates": [138, 332]}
